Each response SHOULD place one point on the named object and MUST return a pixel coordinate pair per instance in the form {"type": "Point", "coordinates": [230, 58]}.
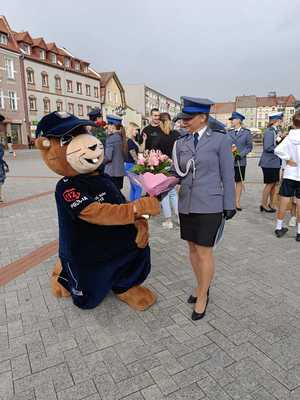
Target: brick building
{"type": "Point", "coordinates": [12, 107]}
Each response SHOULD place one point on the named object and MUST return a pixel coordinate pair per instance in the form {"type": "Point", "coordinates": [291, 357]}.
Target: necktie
{"type": "Point", "coordinates": [236, 133]}
{"type": "Point", "coordinates": [196, 139]}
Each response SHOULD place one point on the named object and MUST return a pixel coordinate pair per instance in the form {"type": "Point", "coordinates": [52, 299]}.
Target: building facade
{"type": "Point", "coordinates": [12, 107]}
{"type": "Point", "coordinates": [222, 112]}
{"type": "Point", "coordinates": [257, 109]}
{"type": "Point", "coordinates": [143, 99]}
{"type": "Point", "coordinates": [56, 80]}
{"type": "Point", "coordinates": [246, 105]}
{"type": "Point", "coordinates": [112, 94]}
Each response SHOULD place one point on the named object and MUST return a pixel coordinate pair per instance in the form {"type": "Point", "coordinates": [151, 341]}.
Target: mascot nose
{"type": "Point", "coordinates": [93, 147]}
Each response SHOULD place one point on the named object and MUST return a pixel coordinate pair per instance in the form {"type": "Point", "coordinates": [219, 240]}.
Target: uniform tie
{"type": "Point", "coordinates": [236, 133]}
{"type": "Point", "coordinates": [196, 139]}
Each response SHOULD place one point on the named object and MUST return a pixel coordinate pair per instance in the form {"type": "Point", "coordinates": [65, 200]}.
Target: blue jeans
{"type": "Point", "coordinates": [170, 198]}
{"type": "Point", "coordinates": [135, 190]}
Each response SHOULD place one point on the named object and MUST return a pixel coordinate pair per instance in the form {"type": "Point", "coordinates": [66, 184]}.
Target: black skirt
{"type": "Point", "coordinates": [239, 173]}
{"type": "Point", "coordinates": [201, 229]}
{"type": "Point", "coordinates": [271, 175]}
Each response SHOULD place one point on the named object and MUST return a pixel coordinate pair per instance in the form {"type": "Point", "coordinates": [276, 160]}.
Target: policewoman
{"type": "Point", "coordinates": [114, 151]}
{"type": "Point", "coordinates": [270, 162]}
{"type": "Point", "coordinates": [242, 138]}
{"type": "Point", "coordinates": [203, 161]}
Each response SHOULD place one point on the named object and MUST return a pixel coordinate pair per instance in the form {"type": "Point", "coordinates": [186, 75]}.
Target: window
{"type": "Point", "coordinates": [32, 103]}
{"type": "Point", "coordinates": [96, 91]}
{"type": "Point", "coordinates": [79, 87]}
{"type": "Point", "coordinates": [26, 48]}
{"type": "Point", "coordinates": [77, 66]}
{"type": "Point", "coordinates": [116, 98]}
{"type": "Point", "coordinates": [2, 105]}
{"type": "Point", "coordinates": [53, 58]}
{"type": "Point", "coordinates": [85, 69]}
{"type": "Point", "coordinates": [13, 101]}
{"type": "Point", "coordinates": [45, 82]}
{"type": "Point", "coordinates": [80, 110]}
{"type": "Point", "coordinates": [46, 105]}
{"type": "Point", "coordinates": [71, 108]}
{"type": "Point", "coordinates": [109, 95]}
{"type": "Point", "coordinates": [57, 82]}
{"type": "Point", "coordinates": [69, 86]}
{"type": "Point", "coordinates": [88, 109]}
{"type": "Point", "coordinates": [42, 54]}
{"type": "Point", "coordinates": [67, 62]}
{"type": "Point", "coordinates": [88, 90]}
{"type": "Point", "coordinates": [30, 76]}
{"type": "Point", "coordinates": [59, 105]}
{"type": "Point", "coordinates": [3, 38]}
{"type": "Point", "coordinates": [9, 68]}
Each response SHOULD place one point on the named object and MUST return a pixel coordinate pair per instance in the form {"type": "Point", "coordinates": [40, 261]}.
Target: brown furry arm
{"type": "Point", "coordinates": [108, 214]}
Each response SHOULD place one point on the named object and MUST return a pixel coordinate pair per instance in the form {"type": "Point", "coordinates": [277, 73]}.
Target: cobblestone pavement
{"type": "Point", "coordinates": [247, 347]}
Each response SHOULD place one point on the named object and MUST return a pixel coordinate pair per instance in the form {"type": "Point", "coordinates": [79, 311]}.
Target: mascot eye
{"type": "Point", "coordinates": [65, 140]}
{"type": "Point", "coordinates": [93, 147]}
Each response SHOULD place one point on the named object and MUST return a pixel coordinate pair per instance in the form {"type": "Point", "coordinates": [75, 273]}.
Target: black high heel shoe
{"type": "Point", "coordinates": [271, 210]}
{"type": "Point", "coordinates": [192, 299]}
{"type": "Point", "coordinates": [196, 316]}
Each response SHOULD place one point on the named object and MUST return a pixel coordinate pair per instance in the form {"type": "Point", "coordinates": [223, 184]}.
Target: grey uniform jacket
{"type": "Point", "coordinates": [268, 158]}
{"type": "Point", "coordinates": [113, 155]}
{"type": "Point", "coordinates": [211, 189]}
{"type": "Point", "coordinates": [243, 141]}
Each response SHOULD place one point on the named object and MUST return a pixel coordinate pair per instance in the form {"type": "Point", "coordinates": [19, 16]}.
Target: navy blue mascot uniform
{"type": "Point", "coordinates": [103, 240]}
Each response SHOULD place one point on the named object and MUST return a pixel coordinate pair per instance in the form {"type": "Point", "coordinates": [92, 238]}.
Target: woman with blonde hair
{"type": "Point", "coordinates": [133, 149]}
{"type": "Point", "coordinates": [166, 146]}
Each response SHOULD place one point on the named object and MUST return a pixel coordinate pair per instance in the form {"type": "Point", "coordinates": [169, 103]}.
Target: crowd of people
{"type": "Point", "coordinates": [210, 163]}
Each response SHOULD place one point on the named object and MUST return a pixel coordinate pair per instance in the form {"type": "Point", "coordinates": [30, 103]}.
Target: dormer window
{"type": "Point", "coordinates": [77, 66]}
{"type": "Point", "coordinates": [26, 48]}
{"type": "Point", "coordinates": [67, 62]}
{"type": "Point", "coordinates": [53, 58]}
{"type": "Point", "coordinates": [85, 69]}
{"type": "Point", "coordinates": [42, 54]}
{"type": "Point", "coordinates": [3, 38]}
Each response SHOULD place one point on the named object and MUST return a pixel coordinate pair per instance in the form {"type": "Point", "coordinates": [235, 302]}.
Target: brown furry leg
{"type": "Point", "coordinates": [57, 289]}
{"type": "Point", "coordinates": [138, 297]}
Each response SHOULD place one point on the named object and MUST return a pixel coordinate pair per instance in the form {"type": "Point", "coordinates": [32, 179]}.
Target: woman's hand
{"type": "Point", "coordinates": [292, 163]}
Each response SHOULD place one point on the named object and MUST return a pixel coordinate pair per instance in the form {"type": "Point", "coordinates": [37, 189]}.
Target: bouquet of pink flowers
{"type": "Point", "coordinates": [152, 173]}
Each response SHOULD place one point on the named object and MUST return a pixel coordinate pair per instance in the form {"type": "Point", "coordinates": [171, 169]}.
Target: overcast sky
{"type": "Point", "coordinates": [215, 49]}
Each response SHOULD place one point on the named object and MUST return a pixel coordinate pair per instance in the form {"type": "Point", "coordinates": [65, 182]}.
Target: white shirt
{"type": "Point", "coordinates": [200, 133]}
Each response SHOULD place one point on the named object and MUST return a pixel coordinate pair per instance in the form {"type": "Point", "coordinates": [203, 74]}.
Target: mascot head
{"type": "Point", "coordinates": [68, 148]}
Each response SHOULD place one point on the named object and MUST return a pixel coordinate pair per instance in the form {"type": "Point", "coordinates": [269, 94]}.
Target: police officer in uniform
{"type": "Point", "coordinates": [270, 162]}
{"type": "Point", "coordinates": [114, 151]}
{"type": "Point", "coordinates": [242, 138]}
{"type": "Point", "coordinates": [203, 161]}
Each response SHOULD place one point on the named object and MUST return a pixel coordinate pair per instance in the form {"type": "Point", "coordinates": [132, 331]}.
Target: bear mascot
{"type": "Point", "coordinates": [103, 240]}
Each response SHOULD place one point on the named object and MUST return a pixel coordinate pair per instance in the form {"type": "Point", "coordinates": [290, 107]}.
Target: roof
{"type": "Point", "coordinates": [106, 77]}
{"type": "Point", "coordinates": [23, 37]}
{"type": "Point", "coordinates": [39, 42]}
{"type": "Point", "coordinates": [223, 108]}
{"type": "Point", "coordinates": [273, 101]}
{"type": "Point", "coordinates": [52, 47]}
{"type": "Point", "coordinates": [11, 43]}
{"type": "Point", "coordinates": [245, 101]}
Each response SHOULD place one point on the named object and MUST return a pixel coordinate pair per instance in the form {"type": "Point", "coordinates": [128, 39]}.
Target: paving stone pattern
{"type": "Point", "coordinates": [247, 347]}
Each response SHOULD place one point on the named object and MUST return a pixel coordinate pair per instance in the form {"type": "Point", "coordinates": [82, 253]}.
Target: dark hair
{"type": "Point", "coordinates": [122, 131]}
{"type": "Point", "coordinates": [296, 119]}
{"type": "Point", "coordinates": [154, 110]}
{"type": "Point", "coordinates": [165, 116]}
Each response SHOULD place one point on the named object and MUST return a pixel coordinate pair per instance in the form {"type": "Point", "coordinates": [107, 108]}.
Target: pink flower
{"type": "Point", "coordinates": [141, 159]}
{"type": "Point", "coordinates": [153, 160]}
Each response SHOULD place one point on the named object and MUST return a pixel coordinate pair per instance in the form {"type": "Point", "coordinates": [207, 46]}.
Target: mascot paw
{"type": "Point", "coordinates": [57, 289]}
{"type": "Point", "coordinates": [138, 297]}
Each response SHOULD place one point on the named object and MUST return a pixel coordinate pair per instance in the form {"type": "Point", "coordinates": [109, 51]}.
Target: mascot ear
{"type": "Point", "coordinates": [42, 143]}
